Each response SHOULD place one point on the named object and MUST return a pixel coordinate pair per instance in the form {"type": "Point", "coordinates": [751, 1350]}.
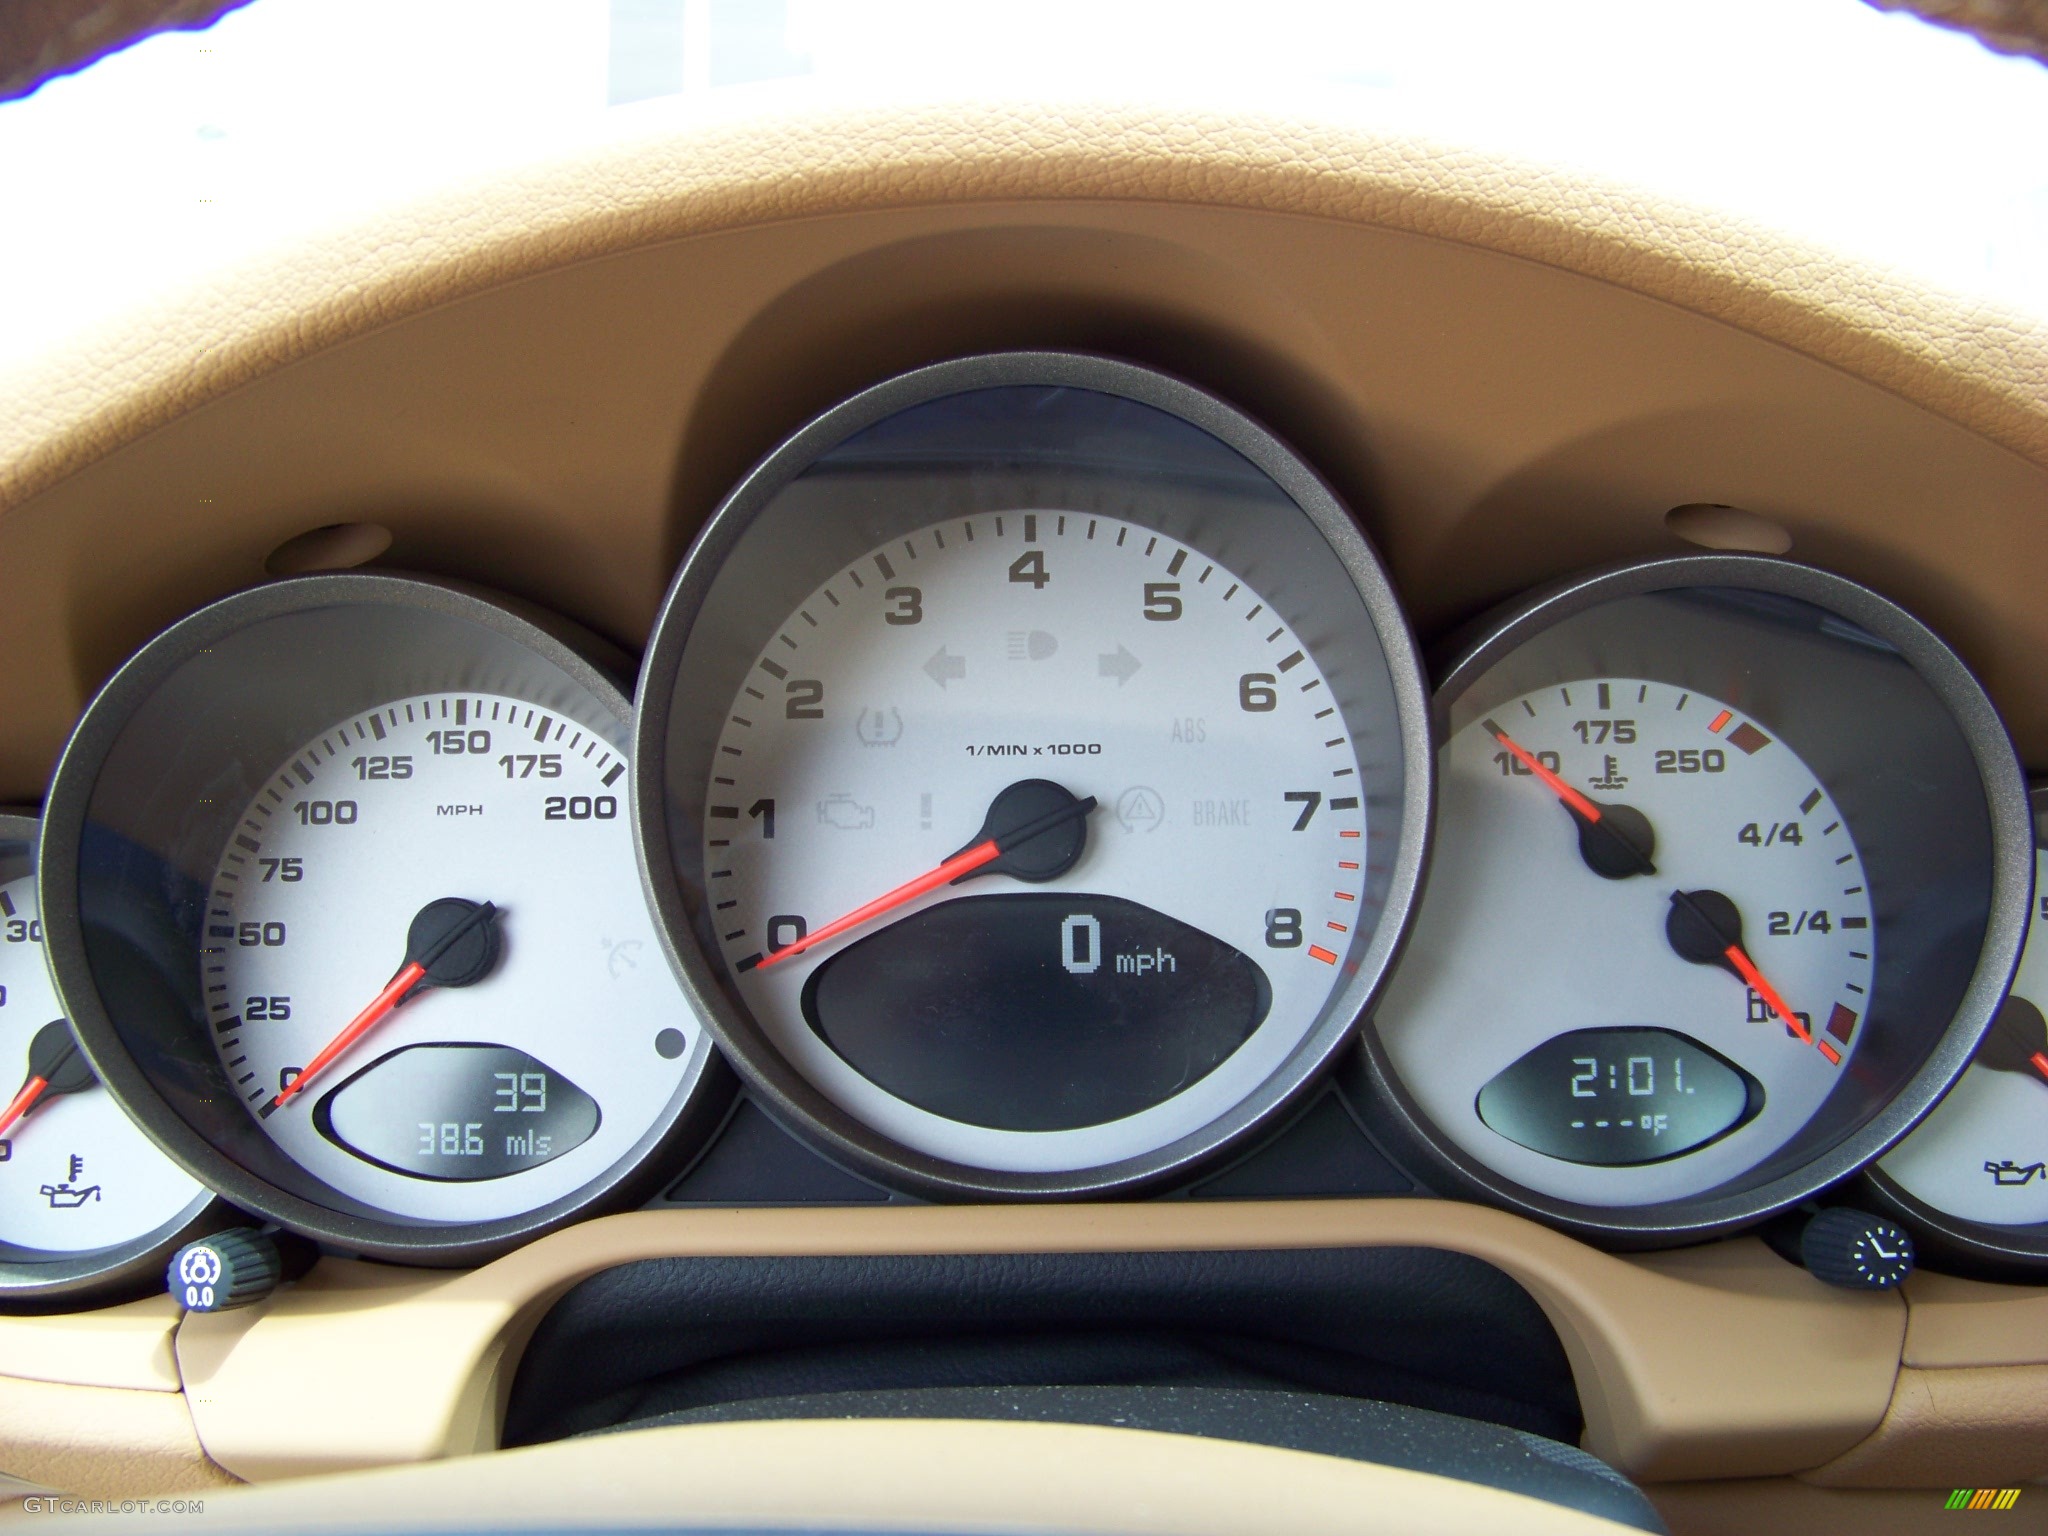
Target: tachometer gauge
{"type": "Point", "coordinates": [341, 891]}
{"type": "Point", "coordinates": [1972, 1179]}
{"type": "Point", "coordinates": [89, 1207]}
{"type": "Point", "coordinates": [1032, 775]}
{"type": "Point", "coordinates": [1729, 875]}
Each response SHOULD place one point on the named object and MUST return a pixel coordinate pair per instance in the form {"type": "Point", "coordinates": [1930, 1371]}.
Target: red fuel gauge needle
{"type": "Point", "coordinates": [1773, 999]}
{"type": "Point", "coordinates": [451, 943]}
{"type": "Point", "coordinates": [1015, 839]}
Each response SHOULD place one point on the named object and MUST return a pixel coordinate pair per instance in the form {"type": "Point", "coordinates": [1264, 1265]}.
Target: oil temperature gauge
{"type": "Point", "coordinates": [88, 1205]}
{"type": "Point", "coordinates": [1972, 1179]}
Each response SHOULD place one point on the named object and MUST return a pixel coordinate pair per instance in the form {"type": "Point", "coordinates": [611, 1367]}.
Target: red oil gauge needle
{"type": "Point", "coordinates": [451, 943]}
{"type": "Point", "coordinates": [2017, 1040]}
{"type": "Point", "coordinates": [1035, 830]}
{"type": "Point", "coordinates": [56, 1066]}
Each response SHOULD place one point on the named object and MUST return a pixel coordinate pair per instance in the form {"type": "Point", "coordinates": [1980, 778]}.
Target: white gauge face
{"type": "Point", "coordinates": [518, 1082]}
{"type": "Point", "coordinates": [1140, 993]}
{"type": "Point", "coordinates": [76, 1173]}
{"type": "Point", "coordinates": [1982, 1153]}
{"type": "Point", "coordinates": [1655, 1074]}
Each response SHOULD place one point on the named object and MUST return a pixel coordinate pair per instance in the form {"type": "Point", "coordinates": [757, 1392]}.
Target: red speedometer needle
{"type": "Point", "coordinates": [56, 1066]}
{"type": "Point", "coordinates": [451, 943]}
{"type": "Point", "coordinates": [1017, 838]}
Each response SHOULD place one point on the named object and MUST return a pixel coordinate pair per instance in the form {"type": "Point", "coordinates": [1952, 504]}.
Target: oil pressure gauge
{"type": "Point", "coordinates": [1730, 872]}
{"type": "Point", "coordinates": [89, 1208]}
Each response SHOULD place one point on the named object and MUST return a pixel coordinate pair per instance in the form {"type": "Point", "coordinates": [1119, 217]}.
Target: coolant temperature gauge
{"type": "Point", "coordinates": [86, 1199]}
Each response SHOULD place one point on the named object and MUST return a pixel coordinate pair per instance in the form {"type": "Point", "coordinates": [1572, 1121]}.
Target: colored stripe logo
{"type": "Point", "coordinates": [1983, 1498]}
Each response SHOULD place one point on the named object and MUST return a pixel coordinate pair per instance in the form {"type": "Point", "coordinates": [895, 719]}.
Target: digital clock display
{"type": "Point", "coordinates": [1620, 1096]}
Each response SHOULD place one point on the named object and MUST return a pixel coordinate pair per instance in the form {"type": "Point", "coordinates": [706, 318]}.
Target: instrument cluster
{"type": "Point", "coordinates": [1032, 789]}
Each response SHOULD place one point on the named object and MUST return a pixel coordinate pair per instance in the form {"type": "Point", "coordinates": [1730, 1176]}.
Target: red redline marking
{"type": "Point", "coordinates": [1347, 834]}
{"type": "Point", "coordinates": [1720, 720]}
{"type": "Point", "coordinates": [1347, 864]}
{"type": "Point", "coordinates": [1322, 954]}
{"type": "Point", "coordinates": [1344, 896]}
{"type": "Point", "coordinates": [1337, 927]}
{"type": "Point", "coordinates": [1834, 1056]}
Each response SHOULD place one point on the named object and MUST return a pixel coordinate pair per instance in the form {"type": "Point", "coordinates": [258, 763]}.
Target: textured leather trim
{"type": "Point", "coordinates": [1983, 368]}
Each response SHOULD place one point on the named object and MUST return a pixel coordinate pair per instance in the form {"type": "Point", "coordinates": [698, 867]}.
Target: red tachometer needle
{"type": "Point", "coordinates": [963, 863]}
{"type": "Point", "coordinates": [435, 956]}
{"type": "Point", "coordinates": [1021, 815]}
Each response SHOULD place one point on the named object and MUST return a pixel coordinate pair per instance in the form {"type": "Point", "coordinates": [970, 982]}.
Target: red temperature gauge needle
{"type": "Point", "coordinates": [1015, 839]}
{"type": "Point", "coordinates": [1580, 806]}
{"type": "Point", "coordinates": [56, 1066]}
{"type": "Point", "coordinates": [451, 943]}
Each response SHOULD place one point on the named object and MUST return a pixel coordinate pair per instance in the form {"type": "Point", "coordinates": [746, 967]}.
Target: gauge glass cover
{"type": "Point", "coordinates": [980, 592]}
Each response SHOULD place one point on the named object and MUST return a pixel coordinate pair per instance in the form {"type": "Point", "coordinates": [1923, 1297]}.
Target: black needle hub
{"type": "Point", "coordinates": [1620, 844]}
{"type": "Point", "coordinates": [2016, 1036]}
{"type": "Point", "coordinates": [454, 941]}
{"type": "Point", "coordinates": [1702, 927]}
{"type": "Point", "coordinates": [1040, 828]}
{"type": "Point", "coordinates": [54, 1056]}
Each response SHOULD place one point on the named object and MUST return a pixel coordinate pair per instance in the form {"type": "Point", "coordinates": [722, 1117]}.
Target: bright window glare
{"type": "Point", "coordinates": [1906, 145]}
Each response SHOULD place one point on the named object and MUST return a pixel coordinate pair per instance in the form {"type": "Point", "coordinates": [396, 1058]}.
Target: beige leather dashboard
{"type": "Point", "coordinates": [547, 384]}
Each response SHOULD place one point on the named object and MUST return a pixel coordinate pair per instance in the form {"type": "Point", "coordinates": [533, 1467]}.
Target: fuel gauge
{"type": "Point", "coordinates": [88, 1205]}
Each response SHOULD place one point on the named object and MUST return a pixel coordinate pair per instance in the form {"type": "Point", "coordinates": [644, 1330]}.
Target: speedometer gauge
{"type": "Point", "coordinates": [1727, 881]}
{"type": "Point", "coordinates": [342, 896]}
{"type": "Point", "coordinates": [1031, 776]}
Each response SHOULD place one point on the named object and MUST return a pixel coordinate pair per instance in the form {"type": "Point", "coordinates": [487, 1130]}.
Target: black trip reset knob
{"type": "Point", "coordinates": [1856, 1250]}
{"type": "Point", "coordinates": [229, 1269]}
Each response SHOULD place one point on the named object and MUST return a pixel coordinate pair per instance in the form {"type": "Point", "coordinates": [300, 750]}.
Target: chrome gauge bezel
{"type": "Point", "coordinates": [776, 1081]}
{"type": "Point", "coordinates": [1497, 636]}
{"type": "Point", "coordinates": [121, 1270]}
{"type": "Point", "coordinates": [237, 1160]}
{"type": "Point", "coordinates": [1954, 1243]}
